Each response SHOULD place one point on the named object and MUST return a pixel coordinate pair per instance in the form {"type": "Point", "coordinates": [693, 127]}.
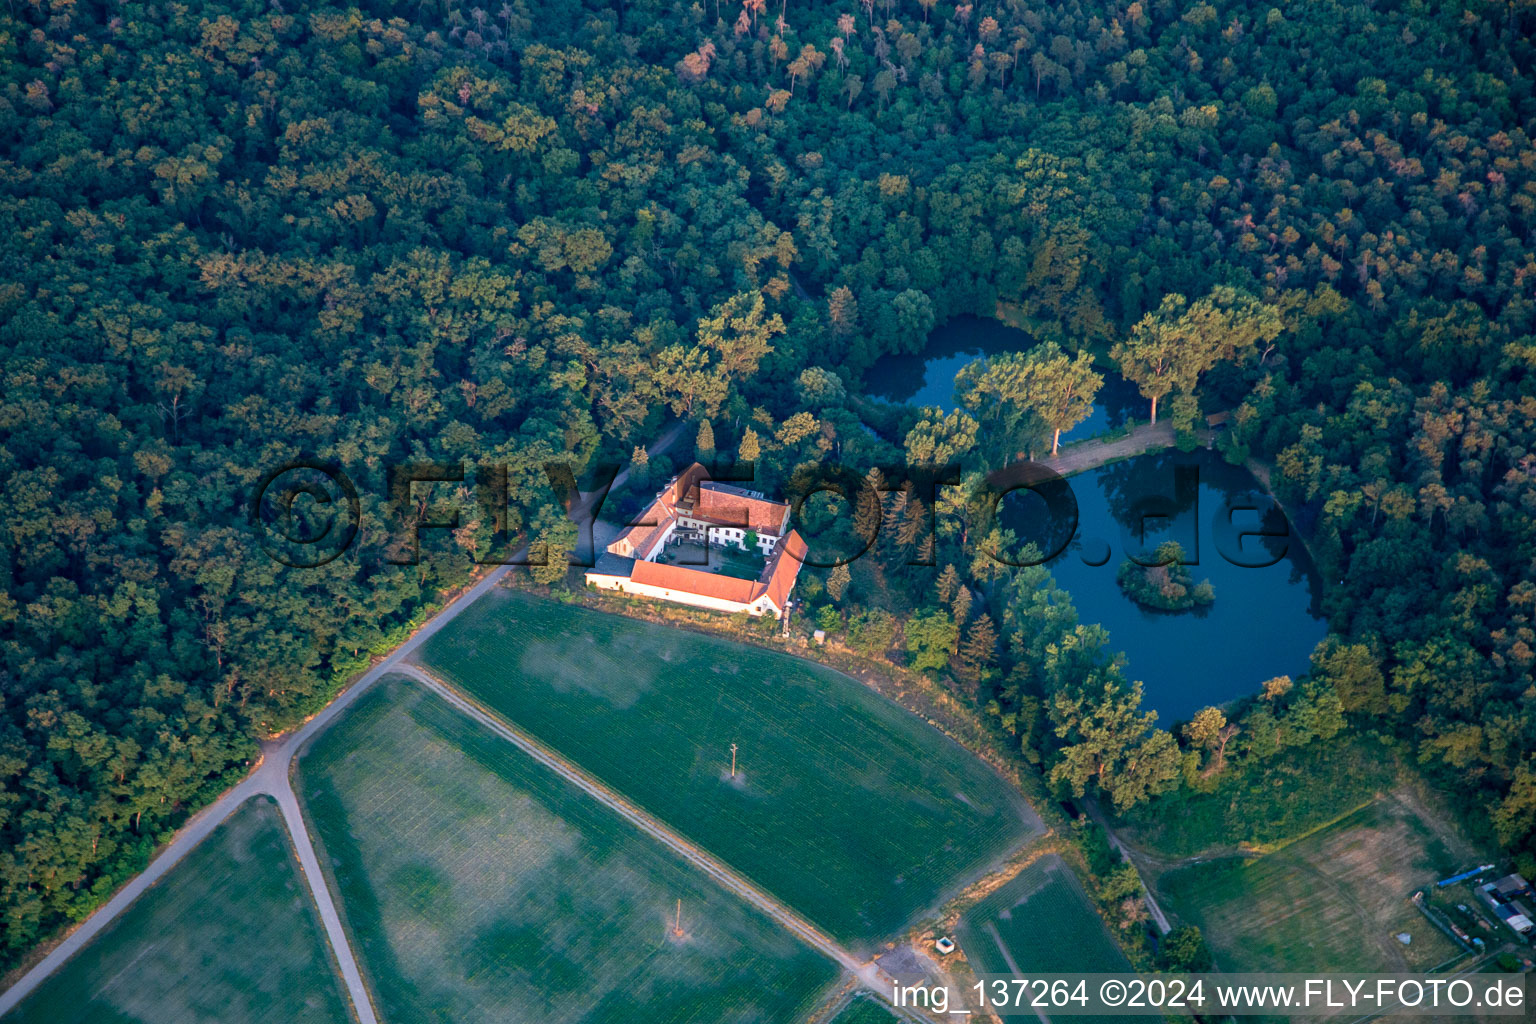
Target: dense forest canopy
{"type": "Point", "coordinates": [244, 232]}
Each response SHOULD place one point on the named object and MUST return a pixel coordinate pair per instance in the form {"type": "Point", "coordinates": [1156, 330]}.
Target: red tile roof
{"type": "Point", "coordinates": [724, 506]}
{"type": "Point", "coordinates": [785, 566]}
{"type": "Point", "coordinates": [696, 581]}
{"type": "Point", "coordinates": [777, 581]}
{"type": "Point", "coordinates": [646, 531]}
{"type": "Point", "coordinates": [688, 480]}
{"type": "Point", "coordinates": [732, 508]}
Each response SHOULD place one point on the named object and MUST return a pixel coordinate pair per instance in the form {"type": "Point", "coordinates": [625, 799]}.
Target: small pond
{"type": "Point", "coordinates": [928, 378]}
{"type": "Point", "coordinates": [1266, 617]}
{"type": "Point", "coordinates": [1265, 620]}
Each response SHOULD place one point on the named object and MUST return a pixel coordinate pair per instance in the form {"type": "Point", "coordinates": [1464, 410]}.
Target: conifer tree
{"type": "Point", "coordinates": [843, 310]}
{"type": "Point", "coordinates": [947, 583]}
{"type": "Point", "coordinates": [837, 582]}
{"type": "Point", "coordinates": [979, 650]}
{"type": "Point", "coordinates": [911, 520]}
{"type": "Point", "coordinates": [868, 512]}
{"type": "Point", "coordinates": [962, 605]}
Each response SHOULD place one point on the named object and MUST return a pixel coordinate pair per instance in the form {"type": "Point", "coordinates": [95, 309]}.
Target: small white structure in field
{"type": "Point", "coordinates": [944, 944]}
{"type": "Point", "coordinates": [820, 636]}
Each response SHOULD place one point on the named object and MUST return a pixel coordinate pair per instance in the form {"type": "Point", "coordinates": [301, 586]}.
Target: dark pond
{"type": "Point", "coordinates": [1265, 620]}
{"type": "Point", "coordinates": [928, 378]}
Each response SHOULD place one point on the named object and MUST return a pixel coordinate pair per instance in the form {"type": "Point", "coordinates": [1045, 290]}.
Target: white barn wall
{"type": "Point", "coordinates": [718, 604]}
{"type": "Point", "coordinates": [623, 584]}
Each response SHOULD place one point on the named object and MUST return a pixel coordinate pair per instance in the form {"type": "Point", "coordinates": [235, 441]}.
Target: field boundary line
{"type": "Point", "coordinates": [270, 777]}
{"type": "Point", "coordinates": [1002, 947]}
{"type": "Point", "coordinates": [1268, 849]}
{"type": "Point", "coordinates": [869, 974]}
{"type": "Point", "coordinates": [192, 832]}
{"type": "Point", "coordinates": [325, 907]}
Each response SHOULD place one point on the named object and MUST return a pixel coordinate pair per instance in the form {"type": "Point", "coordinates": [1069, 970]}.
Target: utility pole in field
{"type": "Point", "coordinates": [733, 760]}
{"type": "Point", "coordinates": [677, 927]}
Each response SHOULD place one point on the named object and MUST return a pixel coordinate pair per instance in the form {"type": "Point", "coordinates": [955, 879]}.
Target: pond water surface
{"type": "Point", "coordinates": [1266, 618]}
{"type": "Point", "coordinates": [1265, 621]}
{"type": "Point", "coordinates": [928, 378]}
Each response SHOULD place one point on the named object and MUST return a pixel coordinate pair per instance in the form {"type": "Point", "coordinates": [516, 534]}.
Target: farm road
{"type": "Point", "coordinates": [271, 778]}
{"type": "Point", "coordinates": [868, 973]}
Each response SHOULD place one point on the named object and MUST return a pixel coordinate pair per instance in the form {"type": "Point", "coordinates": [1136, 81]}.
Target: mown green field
{"type": "Point", "coordinates": [480, 888]}
{"type": "Point", "coordinates": [846, 807]}
{"type": "Point", "coordinates": [229, 936]}
{"type": "Point", "coordinates": [865, 1010]}
{"type": "Point", "coordinates": [1330, 902]}
{"type": "Point", "coordinates": [1040, 923]}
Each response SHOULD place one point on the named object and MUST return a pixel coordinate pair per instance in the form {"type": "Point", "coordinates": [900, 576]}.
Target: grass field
{"type": "Point", "coordinates": [1040, 923]}
{"type": "Point", "coordinates": [846, 807]}
{"type": "Point", "coordinates": [227, 937]}
{"type": "Point", "coordinates": [1332, 901]}
{"type": "Point", "coordinates": [1265, 804]}
{"type": "Point", "coordinates": [865, 1010]}
{"type": "Point", "coordinates": [480, 887]}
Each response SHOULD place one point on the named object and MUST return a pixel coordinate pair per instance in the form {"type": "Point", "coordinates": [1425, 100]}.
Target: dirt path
{"type": "Point", "coordinates": [197, 828]}
{"type": "Point", "coordinates": [1002, 949]}
{"type": "Point", "coordinates": [320, 893]}
{"type": "Point", "coordinates": [867, 972]}
{"type": "Point", "coordinates": [1095, 452]}
{"type": "Point", "coordinates": [1156, 911]}
{"type": "Point", "coordinates": [271, 777]}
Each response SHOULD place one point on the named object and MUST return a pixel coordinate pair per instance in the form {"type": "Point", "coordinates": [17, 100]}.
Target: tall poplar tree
{"type": "Point", "coordinates": [1063, 388]}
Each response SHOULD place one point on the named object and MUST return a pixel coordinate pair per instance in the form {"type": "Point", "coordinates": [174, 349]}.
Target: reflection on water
{"type": "Point", "coordinates": [1266, 619]}
{"type": "Point", "coordinates": [928, 378]}
{"type": "Point", "coordinates": [1117, 402]}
